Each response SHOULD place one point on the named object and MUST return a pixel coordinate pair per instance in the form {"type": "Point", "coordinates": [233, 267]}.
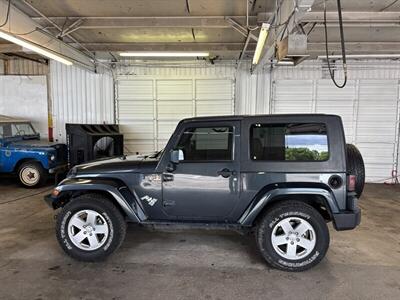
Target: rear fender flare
{"type": "Point", "coordinates": [251, 213]}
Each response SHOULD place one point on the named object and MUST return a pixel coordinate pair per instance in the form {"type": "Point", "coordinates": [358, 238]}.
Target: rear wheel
{"type": "Point", "coordinates": [292, 236]}
{"type": "Point", "coordinates": [31, 174]}
{"type": "Point", "coordinates": [90, 228]}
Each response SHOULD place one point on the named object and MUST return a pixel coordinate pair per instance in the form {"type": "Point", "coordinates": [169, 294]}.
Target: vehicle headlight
{"type": "Point", "coordinates": [52, 157]}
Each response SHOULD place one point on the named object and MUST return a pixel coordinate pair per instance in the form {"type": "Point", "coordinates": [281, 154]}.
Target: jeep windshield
{"type": "Point", "coordinates": [25, 130]}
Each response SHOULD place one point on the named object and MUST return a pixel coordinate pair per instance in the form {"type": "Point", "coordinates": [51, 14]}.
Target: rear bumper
{"type": "Point", "coordinates": [350, 218]}
{"type": "Point", "coordinates": [347, 220]}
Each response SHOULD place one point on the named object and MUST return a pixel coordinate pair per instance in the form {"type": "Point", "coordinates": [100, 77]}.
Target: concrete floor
{"type": "Point", "coordinates": [361, 264]}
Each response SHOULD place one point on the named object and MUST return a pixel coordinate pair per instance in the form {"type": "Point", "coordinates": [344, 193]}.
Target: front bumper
{"type": "Point", "coordinates": [54, 201]}
{"type": "Point", "coordinates": [49, 200]}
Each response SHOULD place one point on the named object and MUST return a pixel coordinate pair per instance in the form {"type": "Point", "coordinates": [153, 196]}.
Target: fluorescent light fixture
{"type": "Point", "coordinates": [33, 47]}
{"type": "Point", "coordinates": [164, 54]}
{"type": "Point", "coordinates": [262, 38]}
{"type": "Point", "coordinates": [285, 63]}
{"type": "Point", "coordinates": [361, 56]}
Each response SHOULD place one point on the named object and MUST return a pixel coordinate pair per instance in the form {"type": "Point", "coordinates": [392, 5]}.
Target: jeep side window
{"type": "Point", "coordinates": [5, 130]}
{"type": "Point", "coordinates": [206, 144]}
{"type": "Point", "coordinates": [289, 142]}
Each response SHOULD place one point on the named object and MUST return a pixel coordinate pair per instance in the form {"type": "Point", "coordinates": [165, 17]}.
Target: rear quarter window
{"type": "Point", "coordinates": [289, 142]}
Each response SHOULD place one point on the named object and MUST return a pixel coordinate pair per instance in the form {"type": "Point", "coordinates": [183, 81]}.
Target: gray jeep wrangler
{"type": "Point", "coordinates": [283, 177]}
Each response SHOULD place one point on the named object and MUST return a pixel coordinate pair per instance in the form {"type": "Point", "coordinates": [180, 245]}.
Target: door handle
{"type": "Point", "coordinates": [226, 173]}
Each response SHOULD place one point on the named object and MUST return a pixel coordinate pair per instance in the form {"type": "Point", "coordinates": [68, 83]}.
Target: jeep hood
{"type": "Point", "coordinates": [122, 164]}
{"type": "Point", "coordinates": [38, 145]}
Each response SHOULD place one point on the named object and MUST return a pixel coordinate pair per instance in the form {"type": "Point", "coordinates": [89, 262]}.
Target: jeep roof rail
{"type": "Point", "coordinates": [241, 117]}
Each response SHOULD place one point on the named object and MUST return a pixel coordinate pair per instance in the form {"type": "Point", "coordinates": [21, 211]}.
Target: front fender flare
{"type": "Point", "coordinates": [253, 211]}
{"type": "Point", "coordinates": [111, 187]}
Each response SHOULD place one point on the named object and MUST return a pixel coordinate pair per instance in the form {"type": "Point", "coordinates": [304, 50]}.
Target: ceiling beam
{"type": "Point", "coordinates": [22, 23]}
{"type": "Point", "coordinates": [355, 48]}
{"type": "Point", "coordinates": [314, 48]}
{"type": "Point", "coordinates": [71, 28]}
{"type": "Point", "coordinates": [354, 18]}
{"type": "Point", "coordinates": [241, 29]}
{"type": "Point", "coordinates": [147, 22]}
{"type": "Point", "coordinates": [167, 46]}
{"type": "Point", "coordinates": [348, 17]}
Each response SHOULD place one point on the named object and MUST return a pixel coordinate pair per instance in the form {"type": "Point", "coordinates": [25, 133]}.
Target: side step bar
{"type": "Point", "coordinates": [191, 225]}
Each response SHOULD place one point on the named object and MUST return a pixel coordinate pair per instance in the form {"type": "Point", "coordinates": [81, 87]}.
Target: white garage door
{"type": "Point", "coordinates": [148, 109]}
{"type": "Point", "coordinates": [369, 109]}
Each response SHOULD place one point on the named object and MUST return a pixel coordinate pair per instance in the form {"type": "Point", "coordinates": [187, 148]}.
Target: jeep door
{"type": "Point", "coordinates": [204, 185]}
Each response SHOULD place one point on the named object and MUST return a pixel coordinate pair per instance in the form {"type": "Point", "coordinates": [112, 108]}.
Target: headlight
{"type": "Point", "coordinates": [53, 157]}
{"type": "Point", "coordinates": [55, 192]}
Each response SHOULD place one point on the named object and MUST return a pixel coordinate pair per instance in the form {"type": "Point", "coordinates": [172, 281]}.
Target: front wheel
{"type": "Point", "coordinates": [292, 236]}
{"type": "Point", "coordinates": [31, 174]}
{"type": "Point", "coordinates": [90, 228]}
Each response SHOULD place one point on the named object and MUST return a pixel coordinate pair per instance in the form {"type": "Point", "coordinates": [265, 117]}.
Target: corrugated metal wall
{"type": "Point", "coordinates": [1, 67]}
{"type": "Point", "coordinates": [357, 69]}
{"type": "Point", "coordinates": [368, 109]}
{"type": "Point", "coordinates": [151, 100]}
{"type": "Point", "coordinates": [79, 96]}
{"type": "Point", "coordinates": [369, 105]}
{"type": "Point", "coordinates": [179, 69]}
{"type": "Point", "coordinates": [252, 91]}
{"type": "Point", "coordinates": [20, 66]}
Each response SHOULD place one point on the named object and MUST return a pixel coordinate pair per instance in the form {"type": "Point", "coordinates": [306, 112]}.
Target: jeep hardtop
{"type": "Point", "coordinates": [283, 177]}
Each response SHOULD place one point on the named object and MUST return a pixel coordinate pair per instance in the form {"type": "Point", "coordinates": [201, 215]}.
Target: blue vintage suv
{"type": "Point", "coordinates": [24, 154]}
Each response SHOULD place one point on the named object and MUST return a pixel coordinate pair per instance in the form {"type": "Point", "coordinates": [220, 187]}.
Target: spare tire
{"type": "Point", "coordinates": [355, 166]}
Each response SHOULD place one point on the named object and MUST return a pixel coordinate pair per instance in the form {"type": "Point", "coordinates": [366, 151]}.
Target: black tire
{"type": "Point", "coordinates": [113, 217]}
{"type": "Point", "coordinates": [39, 174]}
{"type": "Point", "coordinates": [355, 166]}
{"type": "Point", "coordinates": [298, 210]}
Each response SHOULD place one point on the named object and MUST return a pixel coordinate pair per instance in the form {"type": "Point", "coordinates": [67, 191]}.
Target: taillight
{"type": "Point", "coordinates": [351, 183]}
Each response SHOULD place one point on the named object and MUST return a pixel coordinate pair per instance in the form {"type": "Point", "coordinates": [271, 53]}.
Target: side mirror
{"type": "Point", "coordinates": [176, 156]}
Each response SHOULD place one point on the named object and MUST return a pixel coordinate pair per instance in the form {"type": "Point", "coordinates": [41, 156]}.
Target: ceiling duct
{"type": "Point", "coordinates": [288, 41]}
{"type": "Point", "coordinates": [293, 47]}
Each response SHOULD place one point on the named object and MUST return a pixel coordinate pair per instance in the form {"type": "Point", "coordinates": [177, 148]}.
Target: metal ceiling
{"type": "Point", "coordinates": [109, 26]}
